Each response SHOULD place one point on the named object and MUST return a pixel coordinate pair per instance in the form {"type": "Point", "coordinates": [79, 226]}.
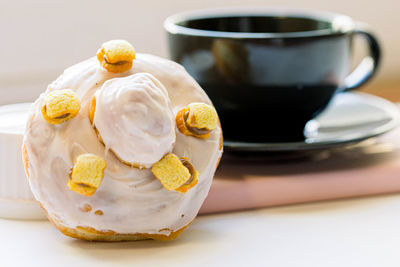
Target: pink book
{"type": "Point", "coordinates": [367, 168]}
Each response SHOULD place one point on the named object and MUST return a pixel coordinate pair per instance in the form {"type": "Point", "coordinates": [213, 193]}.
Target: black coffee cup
{"type": "Point", "coordinates": [269, 71]}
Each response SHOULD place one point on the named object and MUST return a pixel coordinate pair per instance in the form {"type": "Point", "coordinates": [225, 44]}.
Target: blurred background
{"type": "Point", "coordinates": [39, 39]}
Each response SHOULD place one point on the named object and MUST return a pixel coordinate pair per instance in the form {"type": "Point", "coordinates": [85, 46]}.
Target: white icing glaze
{"type": "Point", "coordinates": [134, 119]}
{"type": "Point", "coordinates": [132, 200]}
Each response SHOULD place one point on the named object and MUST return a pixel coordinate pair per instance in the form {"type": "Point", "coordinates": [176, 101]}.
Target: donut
{"type": "Point", "coordinates": [122, 146]}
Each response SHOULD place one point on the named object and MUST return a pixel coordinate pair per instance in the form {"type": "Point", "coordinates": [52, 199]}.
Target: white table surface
{"type": "Point", "coordinates": [357, 232]}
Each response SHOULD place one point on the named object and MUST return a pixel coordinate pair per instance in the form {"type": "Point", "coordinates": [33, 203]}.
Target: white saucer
{"type": "Point", "coordinates": [350, 117]}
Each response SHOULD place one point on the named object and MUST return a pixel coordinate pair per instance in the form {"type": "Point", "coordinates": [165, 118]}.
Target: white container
{"type": "Point", "coordinates": [16, 199]}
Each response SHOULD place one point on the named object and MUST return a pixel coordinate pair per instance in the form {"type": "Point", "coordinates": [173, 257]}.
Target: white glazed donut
{"type": "Point", "coordinates": [132, 128]}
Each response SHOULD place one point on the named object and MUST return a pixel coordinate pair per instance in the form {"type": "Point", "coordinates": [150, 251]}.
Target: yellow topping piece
{"type": "Point", "coordinates": [193, 179]}
{"type": "Point", "coordinates": [87, 174]}
{"type": "Point", "coordinates": [81, 188]}
{"type": "Point", "coordinates": [116, 56]}
{"type": "Point", "coordinates": [202, 116]}
{"type": "Point", "coordinates": [60, 106]}
{"type": "Point", "coordinates": [171, 172]}
{"type": "Point", "coordinates": [198, 120]}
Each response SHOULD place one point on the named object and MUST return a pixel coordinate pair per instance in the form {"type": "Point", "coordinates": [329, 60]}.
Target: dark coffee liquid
{"type": "Point", "coordinates": [261, 24]}
{"type": "Point", "coordinates": [267, 113]}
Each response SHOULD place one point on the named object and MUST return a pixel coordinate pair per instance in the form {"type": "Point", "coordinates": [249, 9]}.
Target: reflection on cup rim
{"type": "Point", "coordinates": [341, 24]}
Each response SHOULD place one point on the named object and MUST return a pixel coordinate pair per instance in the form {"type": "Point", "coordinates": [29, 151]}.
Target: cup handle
{"type": "Point", "coordinates": [368, 66]}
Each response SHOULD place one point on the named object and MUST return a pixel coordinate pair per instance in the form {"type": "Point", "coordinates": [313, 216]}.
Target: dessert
{"type": "Point", "coordinates": [122, 146]}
